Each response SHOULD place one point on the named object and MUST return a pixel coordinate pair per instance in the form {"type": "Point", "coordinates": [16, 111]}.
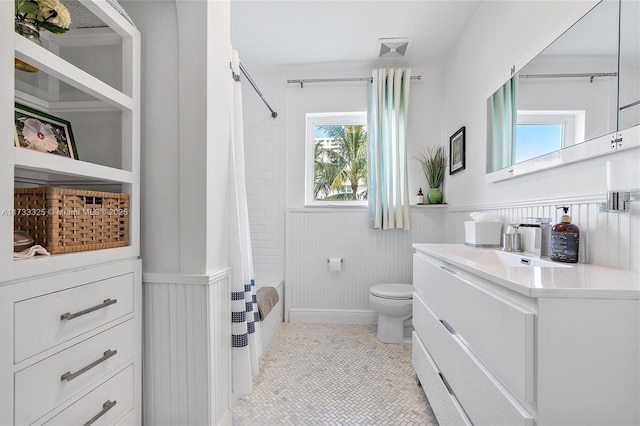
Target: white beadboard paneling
{"type": "Point", "coordinates": [187, 349]}
{"type": "Point", "coordinates": [607, 239]}
{"type": "Point", "coordinates": [369, 256]}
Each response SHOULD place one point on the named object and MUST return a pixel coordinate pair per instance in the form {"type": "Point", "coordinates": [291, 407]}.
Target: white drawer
{"type": "Point", "coordinates": [41, 387]}
{"type": "Point", "coordinates": [444, 404]}
{"type": "Point", "coordinates": [499, 332]}
{"type": "Point", "coordinates": [110, 401]}
{"type": "Point", "coordinates": [483, 398]}
{"type": "Point", "coordinates": [39, 324]}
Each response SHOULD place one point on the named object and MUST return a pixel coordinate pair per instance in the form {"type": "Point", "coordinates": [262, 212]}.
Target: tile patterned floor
{"type": "Point", "coordinates": [326, 374]}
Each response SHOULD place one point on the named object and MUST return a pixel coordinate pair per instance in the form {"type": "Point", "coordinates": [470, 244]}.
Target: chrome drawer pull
{"type": "Point", "coordinates": [446, 384]}
{"type": "Point", "coordinates": [451, 271]}
{"type": "Point", "coordinates": [448, 326]}
{"type": "Point", "coordinates": [69, 376]}
{"type": "Point", "coordinates": [105, 407]}
{"type": "Point", "coordinates": [70, 316]}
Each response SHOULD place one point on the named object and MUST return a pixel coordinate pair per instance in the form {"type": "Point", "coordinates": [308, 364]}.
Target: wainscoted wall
{"type": "Point", "coordinates": [187, 349]}
{"type": "Point", "coordinates": [606, 239]}
{"type": "Point", "coordinates": [314, 294]}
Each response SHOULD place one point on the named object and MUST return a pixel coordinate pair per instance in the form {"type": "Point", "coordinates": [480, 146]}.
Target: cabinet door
{"type": "Point", "coordinates": [588, 362]}
{"type": "Point", "coordinates": [499, 332]}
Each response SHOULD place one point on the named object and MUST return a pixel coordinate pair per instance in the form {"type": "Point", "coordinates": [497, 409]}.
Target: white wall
{"type": "Point", "coordinates": [518, 30]}
{"type": "Point", "coordinates": [275, 148]}
{"type": "Point", "coordinates": [184, 134]}
{"type": "Point", "coordinates": [265, 164]}
{"type": "Point", "coordinates": [423, 121]}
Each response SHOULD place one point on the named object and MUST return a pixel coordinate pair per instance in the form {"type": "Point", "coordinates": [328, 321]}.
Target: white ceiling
{"type": "Point", "coordinates": [277, 32]}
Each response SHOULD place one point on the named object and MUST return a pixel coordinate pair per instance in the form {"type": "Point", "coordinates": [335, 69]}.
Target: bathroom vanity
{"type": "Point", "coordinates": [509, 339]}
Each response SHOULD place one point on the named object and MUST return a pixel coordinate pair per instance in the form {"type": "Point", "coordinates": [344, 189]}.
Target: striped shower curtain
{"type": "Point", "coordinates": [245, 328]}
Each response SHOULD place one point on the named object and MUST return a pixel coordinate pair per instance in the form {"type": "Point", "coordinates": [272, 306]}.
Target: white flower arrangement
{"type": "Point", "coordinates": [50, 15]}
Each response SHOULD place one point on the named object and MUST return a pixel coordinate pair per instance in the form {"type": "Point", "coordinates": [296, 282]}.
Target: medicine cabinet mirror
{"type": "Point", "coordinates": [574, 95]}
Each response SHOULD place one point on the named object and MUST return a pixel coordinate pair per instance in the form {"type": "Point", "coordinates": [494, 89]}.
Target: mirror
{"type": "Point", "coordinates": [571, 92]}
{"type": "Point", "coordinates": [629, 65]}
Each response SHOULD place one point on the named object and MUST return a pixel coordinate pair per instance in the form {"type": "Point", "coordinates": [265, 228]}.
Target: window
{"type": "Point", "coordinates": [336, 158]}
{"type": "Point", "coordinates": [542, 132]}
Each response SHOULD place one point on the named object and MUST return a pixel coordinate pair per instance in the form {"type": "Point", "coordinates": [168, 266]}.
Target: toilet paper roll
{"type": "Point", "coordinates": [335, 264]}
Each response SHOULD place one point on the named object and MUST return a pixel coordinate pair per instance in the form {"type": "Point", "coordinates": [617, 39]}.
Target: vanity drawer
{"type": "Point", "coordinates": [483, 397]}
{"type": "Point", "coordinates": [444, 404]}
{"type": "Point", "coordinates": [41, 387]}
{"type": "Point", "coordinates": [499, 332]}
{"type": "Point", "coordinates": [111, 400]}
{"type": "Point", "coordinates": [39, 322]}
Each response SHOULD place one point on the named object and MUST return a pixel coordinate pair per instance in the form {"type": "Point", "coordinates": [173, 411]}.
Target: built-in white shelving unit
{"type": "Point", "coordinates": [91, 78]}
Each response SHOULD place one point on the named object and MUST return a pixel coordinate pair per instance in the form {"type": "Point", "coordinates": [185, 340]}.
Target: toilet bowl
{"type": "Point", "coordinates": [393, 303]}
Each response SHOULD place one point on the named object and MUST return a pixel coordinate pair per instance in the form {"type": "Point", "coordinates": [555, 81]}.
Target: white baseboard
{"type": "Point", "coordinates": [333, 316]}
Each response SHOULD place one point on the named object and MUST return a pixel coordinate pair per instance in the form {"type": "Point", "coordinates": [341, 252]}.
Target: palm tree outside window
{"type": "Point", "coordinates": [337, 158]}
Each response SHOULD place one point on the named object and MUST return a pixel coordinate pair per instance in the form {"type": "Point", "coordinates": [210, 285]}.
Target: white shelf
{"type": "Point", "coordinates": [65, 106]}
{"type": "Point", "coordinates": [42, 265]}
{"type": "Point", "coordinates": [61, 168]}
{"type": "Point", "coordinates": [57, 67]}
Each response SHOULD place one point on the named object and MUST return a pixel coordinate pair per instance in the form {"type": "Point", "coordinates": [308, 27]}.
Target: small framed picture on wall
{"type": "Point", "coordinates": [456, 151]}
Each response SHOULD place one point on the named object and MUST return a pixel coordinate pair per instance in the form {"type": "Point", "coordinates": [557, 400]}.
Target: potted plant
{"type": "Point", "coordinates": [434, 165]}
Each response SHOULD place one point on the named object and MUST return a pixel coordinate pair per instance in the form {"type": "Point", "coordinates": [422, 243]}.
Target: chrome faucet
{"type": "Point", "coordinates": [542, 245]}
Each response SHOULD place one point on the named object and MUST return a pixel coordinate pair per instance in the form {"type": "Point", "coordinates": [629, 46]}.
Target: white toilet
{"type": "Point", "coordinates": [393, 303]}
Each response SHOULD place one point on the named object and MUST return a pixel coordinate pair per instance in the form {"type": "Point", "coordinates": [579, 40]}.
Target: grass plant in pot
{"type": "Point", "coordinates": [434, 165]}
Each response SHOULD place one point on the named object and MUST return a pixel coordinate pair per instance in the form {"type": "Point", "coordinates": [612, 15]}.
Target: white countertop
{"type": "Point", "coordinates": [550, 279]}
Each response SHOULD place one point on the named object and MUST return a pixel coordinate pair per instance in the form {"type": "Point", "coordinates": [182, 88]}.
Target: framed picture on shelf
{"type": "Point", "coordinates": [43, 132]}
{"type": "Point", "coordinates": [456, 151]}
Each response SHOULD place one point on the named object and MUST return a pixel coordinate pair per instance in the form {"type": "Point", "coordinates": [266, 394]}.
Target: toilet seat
{"type": "Point", "coordinates": [392, 291]}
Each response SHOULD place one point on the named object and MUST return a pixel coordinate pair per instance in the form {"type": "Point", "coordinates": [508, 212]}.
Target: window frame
{"type": "Point", "coordinates": [327, 119]}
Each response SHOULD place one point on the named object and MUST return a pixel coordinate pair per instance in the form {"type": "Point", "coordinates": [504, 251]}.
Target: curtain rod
{"type": "Point", "coordinates": [302, 81]}
{"type": "Point", "coordinates": [236, 77]}
{"type": "Point", "coordinates": [590, 75]}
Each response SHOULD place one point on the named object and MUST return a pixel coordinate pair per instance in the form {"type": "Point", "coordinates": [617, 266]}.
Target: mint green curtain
{"type": "Point", "coordinates": [387, 186]}
{"type": "Point", "coordinates": [502, 117]}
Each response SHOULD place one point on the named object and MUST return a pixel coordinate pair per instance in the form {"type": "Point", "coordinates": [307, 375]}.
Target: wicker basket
{"type": "Point", "coordinates": [70, 220]}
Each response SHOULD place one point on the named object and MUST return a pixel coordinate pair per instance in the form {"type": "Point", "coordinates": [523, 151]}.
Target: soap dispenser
{"type": "Point", "coordinates": [565, 239]}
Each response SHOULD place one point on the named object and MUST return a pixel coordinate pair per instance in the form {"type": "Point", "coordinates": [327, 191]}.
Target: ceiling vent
{"type": "Point", "coordinates": [392, 47]}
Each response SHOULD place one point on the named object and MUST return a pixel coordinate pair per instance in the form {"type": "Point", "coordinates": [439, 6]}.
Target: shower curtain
{"type": "Point", "coordinates": [388, 187]}
{"type": "Point", "coordinates": [246, 347]}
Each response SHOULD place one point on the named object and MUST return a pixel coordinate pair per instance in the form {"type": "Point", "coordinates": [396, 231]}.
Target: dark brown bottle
{"type": "Point", "coordinates": [565, 240]}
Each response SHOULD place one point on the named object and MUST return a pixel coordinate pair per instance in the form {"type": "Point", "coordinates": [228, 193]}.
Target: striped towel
{"type": "Point", "coordinates": [267, 299]}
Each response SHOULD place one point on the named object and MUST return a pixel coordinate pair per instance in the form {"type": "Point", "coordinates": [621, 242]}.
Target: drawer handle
{"type": "Point", "coordinates": [105, 407]}
{"type": "Point", "coordinates": [446, 384]}
{"type": "Point", "coordinates": [451, 271]}
{"type": "Point", "coordinates": [104, 304]}
{"type": "Point", "coordinates": [69, 376]}
{"type": "Point", "coordinates": [448, 326]}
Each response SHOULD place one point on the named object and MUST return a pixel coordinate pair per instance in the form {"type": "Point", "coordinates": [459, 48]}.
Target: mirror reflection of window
{"type": "Point", "coordinates": [537, 139]}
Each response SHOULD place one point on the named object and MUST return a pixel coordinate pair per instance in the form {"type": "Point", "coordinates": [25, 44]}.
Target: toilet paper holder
{"type": "Point", "coordinates": [341, 260]}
